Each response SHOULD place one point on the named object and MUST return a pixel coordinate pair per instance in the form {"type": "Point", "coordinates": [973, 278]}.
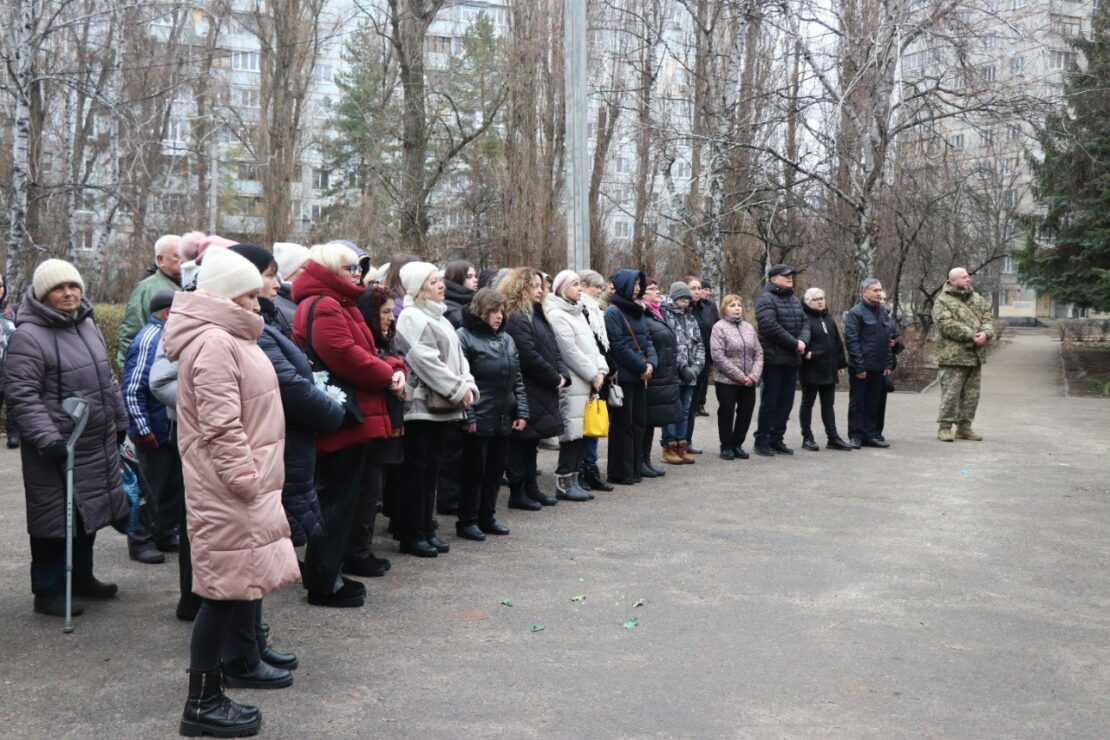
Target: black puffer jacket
{"type": "Point", "coordinates": [458, 301]}
{"type": "Point", "coordinates": [782, 324]}
{"type": "Point", "coordinates": [495, 365]}
{"type": "Point", "coordinates": [707, 316]}
{"type": "Point", "coordinates": [825, 352]}
{"type": "Point", "coordinates": [630, 347]}
{"type": "Point", "coordinates": [663, 403]}
{"type": "Point", "coordinates": [867, 338]}
{"type": "Point", "coordinates": [542, 366]}
{"type": "Point", "coordinates": [308, 412]}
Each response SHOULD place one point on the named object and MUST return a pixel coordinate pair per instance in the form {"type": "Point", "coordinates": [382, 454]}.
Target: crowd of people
{"type": "Point", "coordinates": [275, 401]}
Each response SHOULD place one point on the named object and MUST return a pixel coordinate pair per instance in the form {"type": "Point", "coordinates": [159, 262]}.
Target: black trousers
{"type": "Point", "coordinates": [48, 558]}
{"type": "Point", "coordinates": [735, 406]}
{"type": "Point", "coordinates": [366, 513]}
{"type": "Point", "coordinates": [810, 393]}
{"type": "Point", "coordinates": [415, 511]}
{"type": "Point", "coordinates": [162, 470]}
{"type": "Point", "coordinates": [485, 462]}
{"type": "Point", "coordinates": [338, 484]}
{"type": "Point", "coordinates": [450, 469]}
{"type": "Point", "coordinates": [571, 455]}
{"type": "Point", "coordinates": [880, 415]}
{"type": "Point", "coordinates": [185, 562]}
{"type": "Point", "coordinates": [775, 403]}
{"type": "Point", "coordinates": [626, 433]}
{"type": "Point", "coordinates": [864, 397]}
{"type": "Point", "coordinates": [225, 631]}
{"type": "Point", "coordinates": [520, 464]}
{"type": "Point", "coordinates": [701, 391]}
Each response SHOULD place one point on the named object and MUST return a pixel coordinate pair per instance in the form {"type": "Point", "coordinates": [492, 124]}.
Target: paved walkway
{"type": "Point", "coordinates": [947, 590]}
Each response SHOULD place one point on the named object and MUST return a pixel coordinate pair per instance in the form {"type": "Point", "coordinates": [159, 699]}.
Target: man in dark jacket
{"type": "Point", "coordinates": [870, 360]}
{"type": "Point", "coordinates": [706, 314]}
{"type": "Point", "coordinates": [784, 335]}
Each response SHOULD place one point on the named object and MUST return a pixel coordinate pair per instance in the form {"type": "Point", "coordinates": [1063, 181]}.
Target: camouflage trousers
{"type": "Point", "coordinates": [959, 393]}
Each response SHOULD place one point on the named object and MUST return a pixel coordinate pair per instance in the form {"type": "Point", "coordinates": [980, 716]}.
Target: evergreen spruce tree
{"type": "Point", "coordinates": [1067, 251]}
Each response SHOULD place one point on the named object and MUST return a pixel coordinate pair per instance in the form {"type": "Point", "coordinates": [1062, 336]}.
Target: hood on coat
{"type": "Point", "coordinates": [319, 280]}
{"type": "Point", "coordinates": [667, 304]}
{"type": "Point", "coordinates": [476, 326]}
{"type": "Point", "coordinates": [558, 303]}
{"type": "Point", "coordinates": [34, 311]}
{"type": "Point", "coordinates": [625, 281]}
{"type": "Point", "coordinates": [194, 313]}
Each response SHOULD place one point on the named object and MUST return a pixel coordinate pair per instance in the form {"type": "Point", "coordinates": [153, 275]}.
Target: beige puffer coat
{"type": "Point", "coordinates": [578, 346]}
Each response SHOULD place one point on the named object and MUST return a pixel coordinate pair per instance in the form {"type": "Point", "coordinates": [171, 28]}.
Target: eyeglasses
{"type": "Point", "coordinates": [352, 269]}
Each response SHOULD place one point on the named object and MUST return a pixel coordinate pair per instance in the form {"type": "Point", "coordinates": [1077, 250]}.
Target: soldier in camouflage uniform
{"type": "Point", "coordinates": [964, 326]}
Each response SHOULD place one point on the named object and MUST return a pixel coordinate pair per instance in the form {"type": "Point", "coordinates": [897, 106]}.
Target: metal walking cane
{"type": "Point", "coordinates": [78, 410]}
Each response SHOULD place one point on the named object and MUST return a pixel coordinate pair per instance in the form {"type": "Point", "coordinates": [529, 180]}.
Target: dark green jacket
{"type": "Point", "coordinates": [138, 309]}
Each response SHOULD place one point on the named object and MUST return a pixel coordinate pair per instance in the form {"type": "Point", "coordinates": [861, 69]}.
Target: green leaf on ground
{"type": "Point", "coordinates": [639, 603]}
{"type": "Point", "coordinates": [538, 628]}
{"type": "Point", "coordinates": [632, 623]}
{"type": "Point", "coordinates": [506, 602]}
{"type": "Point", "coordinates": [577, 599]}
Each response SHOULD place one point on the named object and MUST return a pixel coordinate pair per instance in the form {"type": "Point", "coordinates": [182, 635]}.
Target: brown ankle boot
{"type": "Point", "coordinates": [671, 455]}
{"type": "Point", "coordinates": [684, 453]}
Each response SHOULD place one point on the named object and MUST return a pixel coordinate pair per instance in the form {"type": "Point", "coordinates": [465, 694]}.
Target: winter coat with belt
{"type": "Point", "coordinates": [542, 366]}
{"type": "Point", "coordinates": [691, 349]}
{"type": "Point", "coordinates": [53, 356]}
{"type": "Point", "coordinates": [782, 324]}
{"type": "Point", "coordinates": [737, 353]}
{"type": "Point", "coordinates": [867, 339]}
{"type": "Point", "coordinates": [431, 349]}
{"type": "Point", "coordinates": [825, 352]}
{"type": "Point", "coordinates": [343, 342]}
{"type": "Point", "coordinates": [458, 301]}
{"type": "Point", "coordinates": [664, 404]}
{"type": "Point", "coordinates": [627, 328]}
{"type": "Point", "coordinates": [308, 412]}
{"type": "Point", "coordinates": [578, 348]}
{"type": "Point", "coordinates": [231, 433]}
{"type": "Point", "coordinates": [495, 364]}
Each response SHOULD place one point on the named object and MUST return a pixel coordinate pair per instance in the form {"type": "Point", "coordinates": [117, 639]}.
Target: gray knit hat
{"type": "Point", "coordinates": [680, 290]}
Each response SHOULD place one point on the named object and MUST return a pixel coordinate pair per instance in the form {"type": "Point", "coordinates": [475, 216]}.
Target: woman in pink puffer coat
{"type": "Point", "coordinates": [231, 434]}
{"type": "Point", "coordinates": [736, 370]}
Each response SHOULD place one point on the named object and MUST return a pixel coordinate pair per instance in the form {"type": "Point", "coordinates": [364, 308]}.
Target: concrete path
{"type": "Point", "coordinates": [945, 590]}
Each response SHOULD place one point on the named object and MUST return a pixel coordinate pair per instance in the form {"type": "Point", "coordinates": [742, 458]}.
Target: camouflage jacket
{"type": "Point", "coordinates": [959, 316]}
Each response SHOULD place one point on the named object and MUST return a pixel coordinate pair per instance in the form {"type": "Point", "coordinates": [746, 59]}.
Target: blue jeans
{"type": "Point", "coordinates": [589, 460]}
{"type": "Point", "coordinates": [677, 432]}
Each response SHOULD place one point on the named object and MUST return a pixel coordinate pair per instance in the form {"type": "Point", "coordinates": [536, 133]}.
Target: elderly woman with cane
{"type": "Point", "coordinates": [57, 352]}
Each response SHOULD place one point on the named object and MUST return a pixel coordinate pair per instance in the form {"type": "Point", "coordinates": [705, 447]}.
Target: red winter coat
{"type": "Point", "coordinates": [344, 343]}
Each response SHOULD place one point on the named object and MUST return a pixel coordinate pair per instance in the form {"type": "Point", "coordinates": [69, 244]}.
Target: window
{"type": "Point", "coordinates": [623, 167]}
{"type": "Point", "coordinates": [988, 74]}
{"type": "Point", "coordinates": [321, 107]}
{"type": "Point", "coordinates": [321, 179]}
{"type": "Point", "coordinates": [1067, 26]}
{"type": "Point", "coordinates": [437, 44]}
{"type": "Point", "coordinates": [1019, 4]}
{"type": "Point", "coordinates": [173, 203]}
{"type": "Point", "coordinates": [246, 61]}
{"type": "Point", "coordinates": [1008, 265]}
{"type": "Point", "coordinates": [622, 228]}
{"type": "Point", "coordinates": [682, 169]}
{"type": "Point", "coordinates": [916, 60]}
{"type": "Point", "coordinates": [1010, 199]}
{"type": "Point", "coordinates": [1013, 133]}
{"type": "Point", "coordinates": [177, 131]}
{"type": "Point", "coordinates": [245, 97]}
{"type": "Point", "coordinates": [247, 171]}
{"type": "Point", "coordinates": [1060, 59]}
{"type": "Point", "coordinates": [986, 136]}
{"type": "Point", "coordinates": [323, 73]}
{"type": "Point", "coordinates": [315, 213]}
{"type": "Point", "coordinates": [1017, 65]}
{"type": "Point", "coordinates": [958, 141]}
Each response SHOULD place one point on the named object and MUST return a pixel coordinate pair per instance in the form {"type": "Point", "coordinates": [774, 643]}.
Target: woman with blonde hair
{"type": "Point", "coordinates": [736, 370]}
{"type": "Point", "coordinates": [545, 375]}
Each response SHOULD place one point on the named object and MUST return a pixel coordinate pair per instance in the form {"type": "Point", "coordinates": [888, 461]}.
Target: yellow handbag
{"type": "Point", "coordinates": [595, 422]}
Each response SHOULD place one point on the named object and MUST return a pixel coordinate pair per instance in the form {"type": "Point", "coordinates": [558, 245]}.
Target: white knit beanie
{"type": "Point", "coordinates": [561, 280]}
{"type": "Point", "coordinates": [226, 274]}
{"type": "Point", "coordinates": [289, 257]}
{"type": "Point", "coordinates": [414, 275]}
{"type": "Point", "coordinates": [52, 273]}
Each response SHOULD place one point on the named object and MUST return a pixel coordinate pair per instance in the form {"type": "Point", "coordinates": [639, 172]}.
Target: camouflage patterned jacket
{"type": "Point", "coordinates": [959, 315]}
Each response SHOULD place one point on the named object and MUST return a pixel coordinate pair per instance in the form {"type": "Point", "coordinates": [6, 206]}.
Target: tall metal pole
{"type": "Point", "coordinates": [576, 192]}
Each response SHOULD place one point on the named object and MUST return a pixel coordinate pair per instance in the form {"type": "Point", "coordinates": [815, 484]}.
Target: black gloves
{"type": "Point", "coordinates": [55, 452]}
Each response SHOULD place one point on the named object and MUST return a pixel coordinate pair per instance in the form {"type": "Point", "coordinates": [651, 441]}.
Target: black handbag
{"type": "Point", "coordinates": [352, 413]}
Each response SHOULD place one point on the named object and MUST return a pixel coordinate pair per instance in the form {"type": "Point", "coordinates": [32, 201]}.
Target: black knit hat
{"type": "Point", "coordinates": [160, 300]}
{"type": "Point", "coordinates": [259, 257]}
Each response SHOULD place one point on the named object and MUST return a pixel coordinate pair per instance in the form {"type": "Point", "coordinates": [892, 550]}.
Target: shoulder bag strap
{"type": "Point", "coordinates": [632, 334]}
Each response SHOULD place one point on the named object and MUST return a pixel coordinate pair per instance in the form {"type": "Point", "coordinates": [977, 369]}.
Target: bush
{"type": "Point", "coordinates": [109, 316]}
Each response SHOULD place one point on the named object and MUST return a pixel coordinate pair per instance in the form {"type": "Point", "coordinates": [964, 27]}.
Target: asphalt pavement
{"type": "Point", "coordinates": [942, 590]}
